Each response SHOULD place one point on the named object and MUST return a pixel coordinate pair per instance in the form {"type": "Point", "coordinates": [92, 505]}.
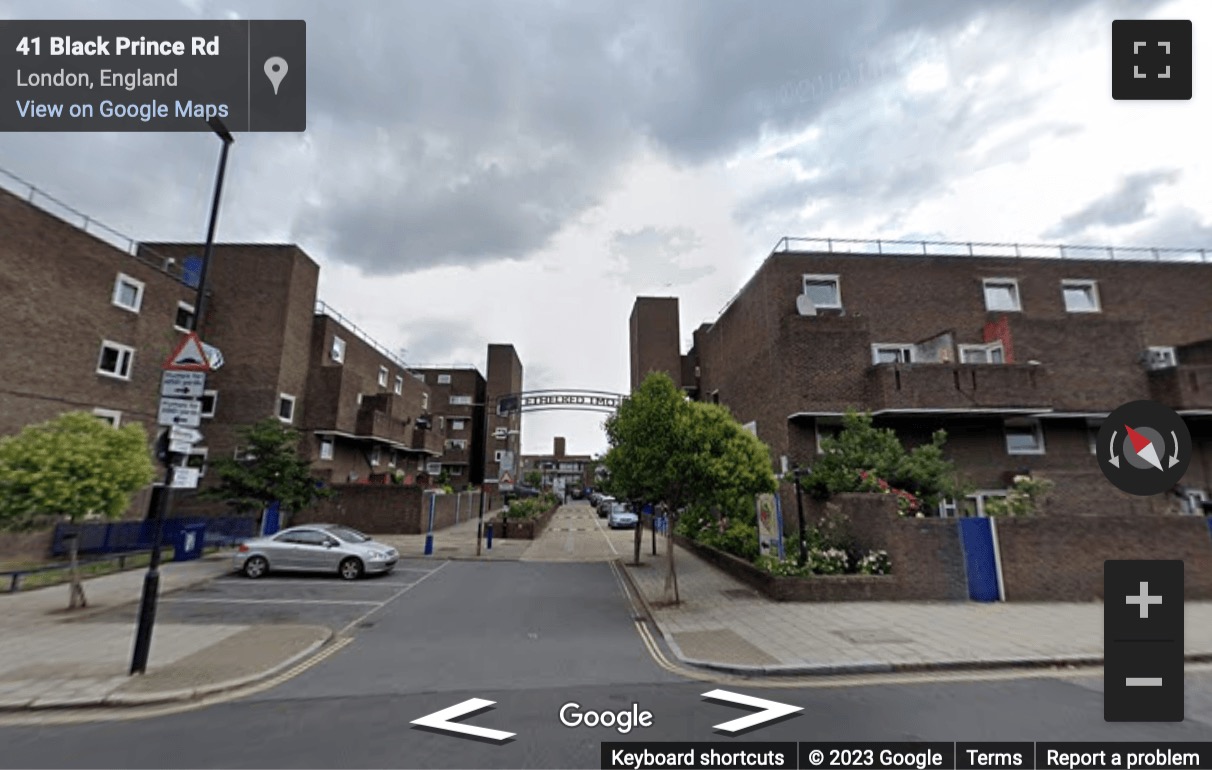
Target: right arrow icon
{"type": "Point", "coordinates": [770, 710]}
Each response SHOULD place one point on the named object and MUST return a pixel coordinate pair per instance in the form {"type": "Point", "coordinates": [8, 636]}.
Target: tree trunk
{"type": "Point", "coordinates": [77, 585]}
{"type": "Point", "coordinates": [671, 577]}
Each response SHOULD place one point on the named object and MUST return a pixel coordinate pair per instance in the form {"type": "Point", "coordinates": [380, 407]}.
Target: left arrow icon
{"type": "Point", "coordinates": [442, 720]}
{"type": "Point", "coordinates": [770, 710]}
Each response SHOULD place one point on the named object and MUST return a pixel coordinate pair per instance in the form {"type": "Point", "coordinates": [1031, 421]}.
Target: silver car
{"type": "Point", "coordinates": [621, 517]}
{"type": "Point", "coordinates": [331, 548]}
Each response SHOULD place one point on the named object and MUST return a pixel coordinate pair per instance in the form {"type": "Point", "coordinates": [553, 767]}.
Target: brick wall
{"type": "Point", "coordinates": [1061, 559]}
{"type": "Point", "coordinates": [388, 510]}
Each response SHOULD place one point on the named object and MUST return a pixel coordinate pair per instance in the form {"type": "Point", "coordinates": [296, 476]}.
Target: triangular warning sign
{"type": "Point", "coordinates": [506, 478]}
{"type": "Point", "coordinates": [189, 356]}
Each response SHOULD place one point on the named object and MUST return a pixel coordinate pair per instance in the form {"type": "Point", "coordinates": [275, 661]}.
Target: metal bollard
{"type": "Point", "coordinates": [488, 535]}
{"type": "Point", "coordinates": [429, 545]}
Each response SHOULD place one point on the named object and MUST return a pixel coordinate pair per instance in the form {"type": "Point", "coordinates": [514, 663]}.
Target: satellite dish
{"type": "Point", "coordinates": [803, 303]}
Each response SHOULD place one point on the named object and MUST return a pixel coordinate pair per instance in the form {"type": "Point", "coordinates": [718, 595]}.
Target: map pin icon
{"type": "Point", "coordinates": [275, 70]}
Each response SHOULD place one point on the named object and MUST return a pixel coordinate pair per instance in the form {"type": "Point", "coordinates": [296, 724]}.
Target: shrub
{"type": "Point", "coordinates": [875, 563]}
{"type": "Point", "coordinates": [828, 561]}
{"type": "Point", "coordinates": [1022, 499]}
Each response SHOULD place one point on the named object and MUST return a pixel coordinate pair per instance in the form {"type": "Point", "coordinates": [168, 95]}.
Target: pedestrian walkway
{"type": "Point", "coordinates": [459, 542]}
{"type": "Point", "coordinates": [577, 534]}
{"type": "Point", "coordinates": [723, 624]}
{"type": "Point", "coordinates": [51, 657]}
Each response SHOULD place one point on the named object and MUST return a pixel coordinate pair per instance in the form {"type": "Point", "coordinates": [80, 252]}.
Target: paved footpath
{"type": "Point", "coordinates": [723, 624]}
{"type": "Point", "coordinates": [53, 658]}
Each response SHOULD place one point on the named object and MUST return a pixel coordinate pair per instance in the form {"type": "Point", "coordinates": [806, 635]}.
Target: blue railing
{"type": "Point", "coordinates": [119, 536]}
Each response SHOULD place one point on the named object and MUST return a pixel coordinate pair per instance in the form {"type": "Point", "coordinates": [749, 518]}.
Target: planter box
{"type": "Point", "coordinates": [819, 588]}
{"type": "Point", "coordinates": [523, 529]}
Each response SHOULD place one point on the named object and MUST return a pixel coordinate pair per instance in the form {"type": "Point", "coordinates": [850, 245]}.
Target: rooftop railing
{"type": "Point", "coordinates": [988, 249]}
{"type": "Point", "coordinates": [323, 308]}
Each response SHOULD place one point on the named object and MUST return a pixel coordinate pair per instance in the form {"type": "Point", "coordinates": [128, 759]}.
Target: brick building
{"type": "Point", "coordinates": [90, 321]}
{"type": "Point", "coordinates": [559, 469]}
{"type": "Point", "coordinates": [504, 431]}
{"type": "Point", "coordinates": [1018, 358]}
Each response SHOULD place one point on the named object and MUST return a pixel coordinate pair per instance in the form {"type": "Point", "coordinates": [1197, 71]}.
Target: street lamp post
{"type": "Point", "coordinates": [799, 507]}
{"type": "Point", "coordinates": [484, 474]}
{"type": "Point", "coordinates": [151, 581]}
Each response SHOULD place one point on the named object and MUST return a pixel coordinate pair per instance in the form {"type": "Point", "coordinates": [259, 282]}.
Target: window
{"type": "Point", "coordinates": [424, 402]}
{"type": "Point", "coordinates": [1001, 295]}
{"type": "Point", "coordinates": [715, 396]}
{"type": "Point", "coordinates": [980, 497]}
{"type": "Point", "coordinates": [197, 459]}
{"type": "Point", "coordinates": [442, 424]}
{"type": "Point", "coordinates": [1080, 296]}
{"type": "Point", "coordinates": [443, 379]}
{"type": "Point", "coordinates": [1024, 437]}
{"type": "Point", "coordinates": [337, 352]}
{"type": "Point", "coordinates": [375, 456]}
{"type": "Point", "coordinates": [115, 360]}
{"type": "Point", "coordinates": [500, 433]}
{"type": "Point", "coordinates": [458, 424]}
{"type": "Point", "coordinates": [128, 293]}
{"type": "Point", "coordinates": [433, 469]}
{"type": "Point", "coordinates": [383, 375]}
{"type": "Point", "coordinates": [992, 353]}
{"type": "Point", "coordinates": [286, 407]}
{"type": "Point", "coordinates": [184, 321]}
{"type": "Point", "coordinates": [826, 427]}
{"type": "Point", "coordinates": [112, 416]}
{"type": "Point", "coordinates": [455, 470]}
{"type": "Point", "coordinates": [824, 291]}
{"type": "Point", "coordinates": [498, 455]}
{"type": "Point", "coordinates": [1161, 357]}
{"type": "Point", "coordinates": [892, 354]}
{"type": "Point", "coordinates": [399, 384]}
{"type": "Point", "coordinates": [948, 508]}
{"type": "Point", "coordinates": [751, 427]}
{"type": "Point", "coordinates": [391, 459]}
{"type": "Point", "coordinates": [210, 402]}
{"type": "Point", "coordinates": [359, 399]}
{"type": "Point", "coordinates": [456, 443]}
{"type": "Point", "coordinates": [463, 400]}
{"type": "Point", "coordinates": [326, 447]}
{"type": "Point", "coordinates": [420, 377]}
{"type": "Point", "coordinates": [420, 466]}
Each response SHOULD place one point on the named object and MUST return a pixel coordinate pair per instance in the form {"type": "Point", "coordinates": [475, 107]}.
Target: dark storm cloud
{"type": "Point", "coordinates": [1126, 205]}
{"type": "Point", "coordinates": [466, 132]}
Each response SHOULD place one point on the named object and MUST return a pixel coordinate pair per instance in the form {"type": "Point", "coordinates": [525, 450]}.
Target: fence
{"type": "Point", "coordinates": [118, 536]}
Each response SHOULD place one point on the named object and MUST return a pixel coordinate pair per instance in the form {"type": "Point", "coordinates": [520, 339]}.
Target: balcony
{"type": "Point", "coordinates": [381, 425]}
{"type": "Point", "coordinates": [959, 387]}
{"type": "Point", "coordinates": [427, 441]}
{"type": "Point", "coordinates": [1186, 386]}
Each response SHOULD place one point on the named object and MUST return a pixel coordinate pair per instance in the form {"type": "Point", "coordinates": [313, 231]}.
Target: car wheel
{"type": "Point", "coordinates": [256, 567]}
{"type": "Point", "coordinates": [350, 569]}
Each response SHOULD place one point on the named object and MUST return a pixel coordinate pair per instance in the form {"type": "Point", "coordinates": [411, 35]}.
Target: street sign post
{"type": "Point", "coordinates": [185, 478]}
{"type": "Point", "coordinates": [180, 411]}
{"type": "Point", "coordinates": [177, 384]}
{"type": "Point", "coordinates": [180, 447]}
{"type": "Point", "coordinates": [181, 433]}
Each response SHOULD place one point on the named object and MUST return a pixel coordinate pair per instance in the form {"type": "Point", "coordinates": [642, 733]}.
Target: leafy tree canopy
{"type": "Point", "coordinates": [270, 470]}
{"type": "Point", "coordinates": [73, 466]}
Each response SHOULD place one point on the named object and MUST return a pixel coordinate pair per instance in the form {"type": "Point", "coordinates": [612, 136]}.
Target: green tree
{"type": "Point", "coordinates": [74, 466]}
{"type": "Point", "coordinates": [862, 455]}
{"type": "Point", "coordinates": [533, 479]}
{"type": "Point", "coordinates": [270, 470]}
{"type": "Point", "coordinates": [1022, 499]}
{"type": "Point", "coordinates": [680, 454]}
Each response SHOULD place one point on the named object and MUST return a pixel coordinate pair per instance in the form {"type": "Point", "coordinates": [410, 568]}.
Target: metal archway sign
{"type": "Point", "coordinates": [559, 400]}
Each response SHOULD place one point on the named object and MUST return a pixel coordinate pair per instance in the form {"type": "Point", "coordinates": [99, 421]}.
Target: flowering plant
{"type": "Point", "coordinates": [875, 563]}
{"type": "Point", "coordinates": [907, 503]}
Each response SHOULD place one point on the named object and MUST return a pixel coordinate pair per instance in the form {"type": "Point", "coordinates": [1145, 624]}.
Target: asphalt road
{"type": "Point", "coordinates": [532, 637]}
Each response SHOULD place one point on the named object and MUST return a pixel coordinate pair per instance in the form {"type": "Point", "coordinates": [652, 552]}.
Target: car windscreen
{"type": "Point", "coordinates": [348, 535]}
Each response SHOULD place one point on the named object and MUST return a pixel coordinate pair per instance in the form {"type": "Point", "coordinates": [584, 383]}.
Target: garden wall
{"type": "Point", "coordinates": [380, 509]}
{"type": "Point", "coordinates": [523, 529]}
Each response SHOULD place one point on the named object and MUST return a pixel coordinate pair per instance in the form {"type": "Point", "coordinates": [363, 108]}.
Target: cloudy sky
{"type": "Point", "coordinates": [520, 171]}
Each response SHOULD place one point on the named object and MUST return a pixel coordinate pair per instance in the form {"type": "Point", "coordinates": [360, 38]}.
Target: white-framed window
{"type": "Point", "coordinates": [128, 293]}
{"type": "Point", "coordinates": [116, 360]}
{"type": "Point", "coordinates": [184, 320]}
{"type": "Point", "coordinates": [500, 433]}
{"type": "Point", "coordinates": [391, 459]}
{"type": "Point", "coordinates": [891, 353]}
{"type": "Point", "coordinates": [825, 291]}
{"type": "Point", "coordinates": [456, 443]}
{"type": "Point", "coordinates": [197, 459]}
{"type": "Point", "coordinates": [424, 402]}
{"type": "Point", "coordinates": [286, 407]}
{"type": "Point", "coordinates": [420, 376]}
{"type": "Point", "coordinates": [751, 427]}
{"type": "Point", "coordinates": [383, 375]}
{"type": "Point", "coordinates": [112, 416]}
{"type": "Point", "coordinates": [210, 402]}
{"type": "Point", "coordinates": [458, 424]}
{"type": "Point", "coordinates": [359, 399]}
{"type": "Point", "coordinates": [989, 353]}
{"type": "Point", "coordinates": [1093, 426]}
{"type": "Point", "coordinates": [948, 508]}
{"type": "Point", "coordinates": [443, 379]}
{"type": "Point", "coordinates": [982, 496]}
{"type": "Point", "coordinates": [455, 470]}
{"type": "Point", "coordinates": [1001, 295]}
{"type": "Point", "coordinates": [433, 469]}
{"type": "Point", "coordinates": [461, 400]}
{"type": "Point", "coordinates": [498, 455]}
{"type": "Point", "coordinates": [441, 424]}
{"type": "Point", "coordinates": [326, 448]}
{"type": "Point", "coordinates": [1161, 357]}
{"type": "Point", "coordinates": [420, 466]}
{"type": "Point", "coordinates": [1024, 437]}
{"type": "Point", "coordinates": [399, 389]}
{"type": "Point", "coordinates": [1081, 296]}
{"type": "Point", "coordinates": [337, 351]}
{"type": "Point", "coordinates": [826, 427]}
{"type": "Point", "coordinates": [376, 456]}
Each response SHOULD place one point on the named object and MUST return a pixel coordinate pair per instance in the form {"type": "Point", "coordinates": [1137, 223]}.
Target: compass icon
{"type": "Point", "coordinates": [1144, 448]}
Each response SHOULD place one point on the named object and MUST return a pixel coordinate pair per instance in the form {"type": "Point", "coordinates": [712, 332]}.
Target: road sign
{"type": "Point", "coordinates": [506, 478]}
{"type": "Point", "coordinates": [180, 447]}
{"type": "Point", "coordinates": [185, 478]}
{"type": "Point", "coordinates": [180, 411]}
{"type": "Point", "coordinates": [182, 384]}
{"type": "Point", "coordinates": [213, 356]}
{"type": "Point", "coordinates": [189, 356]}
{"type": "Point", "coordinates": [179, 433]}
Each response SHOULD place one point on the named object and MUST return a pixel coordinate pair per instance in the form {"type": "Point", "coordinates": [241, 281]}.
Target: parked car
{"type": "Point", "coordinates": [520, 491]}
{"type": "Point", "coordinates": [622, 517]}
{"type": "Point", "coordinates": [604, 505]}
{"type": "Point", "coordinates": [331, 548]}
